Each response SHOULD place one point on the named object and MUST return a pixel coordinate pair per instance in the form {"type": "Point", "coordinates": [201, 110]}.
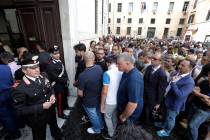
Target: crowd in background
{"type": "Point", "coordinates": [121, 82]}
{"type": "Point", "coordinates": [176, 81]}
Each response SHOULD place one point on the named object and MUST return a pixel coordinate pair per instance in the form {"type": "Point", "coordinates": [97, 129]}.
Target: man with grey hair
{"type": "Point", "coordinates": [131, 89]}
{"type": "Point", "coordinates": [107, 50]}
{"type": "Point", "coordinates": [89, 89]}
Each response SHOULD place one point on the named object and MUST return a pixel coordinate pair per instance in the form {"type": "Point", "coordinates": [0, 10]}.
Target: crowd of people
{"type": "Point", "coordinates": [148, 82]}
{"type": "Point", "coordinates": [122, 83]}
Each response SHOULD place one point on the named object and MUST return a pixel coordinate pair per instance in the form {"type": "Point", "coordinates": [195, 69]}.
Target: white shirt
{"type": "Point", "coordinates": [55, 61]}
{"type": "Point", "coordinates": [112, 79]}
{"type": "Point", "coordinates": [180, 77]}
{"type": "Point", "coordinates": [156, 68]}
{"type": "Point", "coordinates": [31, 78]}
{"type": "Point", "coordinates": [110, 47]}
{"type": "Point", "coordinates": [13, 67]}
{"type": "Point", "coordinates": [174, 81]}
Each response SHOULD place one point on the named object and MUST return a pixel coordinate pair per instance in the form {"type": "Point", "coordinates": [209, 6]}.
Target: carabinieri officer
{"type": "Point", "coordinates": [58, 77]}
{"type": "Point", "coordinates": [34, 100]}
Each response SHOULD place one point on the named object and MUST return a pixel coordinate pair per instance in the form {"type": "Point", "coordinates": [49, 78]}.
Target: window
{"type": "Point", "coordinates": [195, 4]}
{"type": "Point", "coordinates": [96, 14]}
{"type": "Point", "coordinates": [118, 20]}
{"type": "Point", "coordinates": [208, 15]}
{"type": "Point", "coordinates": [186, 3]}
{"type": "Point", "coordinates": [207, 39]}
{"type": "Point", "coordinates": [130, 7]}
{"type": "Point", "coordinates": [171, 7]}
{"type": "Point", "coordinates": [179, 32]}
{"type": "Point", "coordinates": [140, 20]}
{"type": "Point", "coordinates": [110, 7]}
{"type": "Point", "coordinates": [182, 20]}
{"type": "Point", "coordinates": [129, 20]}
{"type": "Point", "coordinates": [109, 20]}
{"type": "Point", "coordinates": [191, 19]}
{"type": "Point", "coordinates": [152, 21]}
{"type": "Point", "coordinates": [168, 21]}
{"type": "Point", "coordinates": [119, 7]}
{"type": "Point", "coordinates": [109, 30]}
{"type": "Point", "coordinates": [165, 33]}
{"type": "Point", "coordinates": [151, 32]}
{"type": "Point", "coordinates": [139, 30]}
{"type": "Point", "coordinates": [155, 6]}
{"type": "Point", "coordinates": [128, 30]}
{"type": "Point", "coordinates": [143, 6]}
{"type": "Point", "coordinates": [118, 30]}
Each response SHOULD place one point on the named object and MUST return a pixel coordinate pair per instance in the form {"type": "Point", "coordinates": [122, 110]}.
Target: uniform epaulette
{"type": "Point", "coordinates": [26, 80]}
{"type": "Point", "coordinates": [16, 83]}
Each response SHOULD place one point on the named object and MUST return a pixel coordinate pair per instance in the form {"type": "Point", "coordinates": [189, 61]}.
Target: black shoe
{"type": "Point", "coordinates": [64, 116]}
{"type": "Point", "coordinates": [9, 137]}
{"type": "Point", "coordinates": [106, 136]}
{"type": "Point", "coordinates": [3, 133]}
{"type": "Point", "coordinates": [84, 120]}
{"type": "Point", "coordinates": [59, 137]}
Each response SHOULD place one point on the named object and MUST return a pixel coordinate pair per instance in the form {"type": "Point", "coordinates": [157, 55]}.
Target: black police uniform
{"type": "Point", "coordinates": [28, 98]}
{"type": "Point", "coordinates": [54, 70]}
{"type": "Point", "coordinates": [44, 58]}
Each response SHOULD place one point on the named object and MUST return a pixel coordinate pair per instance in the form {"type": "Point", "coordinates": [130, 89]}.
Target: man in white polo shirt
{"type": "Point", "coordinates": [111, 81]}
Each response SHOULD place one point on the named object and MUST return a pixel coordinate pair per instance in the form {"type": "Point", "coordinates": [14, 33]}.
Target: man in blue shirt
{"type": "Point", "coordinates": [131, 89]}
{"type": "Point", "coordinates": [89, 89]}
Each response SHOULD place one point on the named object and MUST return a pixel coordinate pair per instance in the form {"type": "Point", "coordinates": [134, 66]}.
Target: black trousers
{"type": "Point", "coordinates": [65, 98]}
{"type": "Point", "coordinates": [39, 123]}
{"type": "Point", "coordinates": [62, 99]}
{"type": "Point", "coordinates": [147, 114]}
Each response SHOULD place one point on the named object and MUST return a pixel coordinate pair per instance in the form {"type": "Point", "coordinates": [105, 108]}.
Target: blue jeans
{"type": "Point", "coordinates": [170, 120]}
{"type": "Point", "coordinates": [198, 117]}
{"type": "Point", "coordinates": [95, 118]}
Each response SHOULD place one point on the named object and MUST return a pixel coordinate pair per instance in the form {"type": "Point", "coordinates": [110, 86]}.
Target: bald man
{"type": "Point", "coordinates": [89, 89]}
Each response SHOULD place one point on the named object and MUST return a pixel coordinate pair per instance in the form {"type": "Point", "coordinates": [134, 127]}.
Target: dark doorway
{"type": "Point", "coordinates": [165, 33]}
{"type": "Point", "coordinates": [9, 30]}
{"type": "Point", "coordinates": [37, 20]}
